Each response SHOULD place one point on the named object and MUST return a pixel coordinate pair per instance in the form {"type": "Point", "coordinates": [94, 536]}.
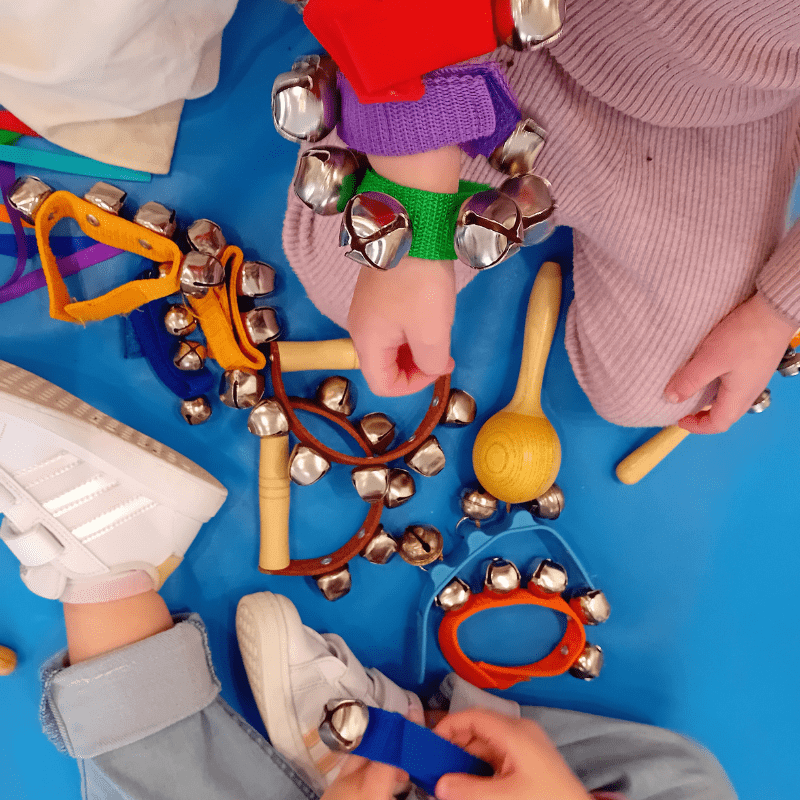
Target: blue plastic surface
{"type": "Point", "coordinates": [699, 560]}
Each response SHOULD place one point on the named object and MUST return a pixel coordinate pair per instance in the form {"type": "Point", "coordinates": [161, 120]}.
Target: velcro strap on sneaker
{"type": "Point", "coordinates": [33, 547]}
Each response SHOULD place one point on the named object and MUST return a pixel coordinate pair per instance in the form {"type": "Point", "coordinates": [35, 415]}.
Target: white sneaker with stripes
{"type": "Point", "coordinates": [93, 509]}
{"type": "Point", "coordinates": [293, 671]}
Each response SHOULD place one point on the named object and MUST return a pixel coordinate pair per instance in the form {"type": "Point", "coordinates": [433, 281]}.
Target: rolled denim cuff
{"type": "Point", "coordinates": [128, 694]}
{"type": "Point", "coordinates": [470, 105]}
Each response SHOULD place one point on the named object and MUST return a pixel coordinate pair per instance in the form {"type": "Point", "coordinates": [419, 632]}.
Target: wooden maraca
{"type": "Point", "coordinates": [517, 454]}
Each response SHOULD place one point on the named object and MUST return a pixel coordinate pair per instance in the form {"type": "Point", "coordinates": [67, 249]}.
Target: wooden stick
{"type": "Point", "coordinates": [273, 501]}
{"type": "Point", "coordinates": [334, 354]}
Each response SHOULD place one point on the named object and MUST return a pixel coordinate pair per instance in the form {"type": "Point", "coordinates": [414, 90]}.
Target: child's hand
{"type": "Point", "coordinates": [361, 779]}
{"type": "Point", "coordinates": [527, 764]}
{"type": "Point", "coordinates": [400, 323]}
{"type": "Point", "coordinates": [742, 351]}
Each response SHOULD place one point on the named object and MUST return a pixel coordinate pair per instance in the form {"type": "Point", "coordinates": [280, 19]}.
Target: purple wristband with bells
{"type": "Point", "coordinates": [470, 105]}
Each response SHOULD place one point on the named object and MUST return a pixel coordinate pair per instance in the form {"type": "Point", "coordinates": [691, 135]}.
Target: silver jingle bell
{"type": "Point", "coordinates": [299, 5]}
{"type": "Point", "coordinates": [326, 178]}
{"type": "Point", "coordinates": [199, 272]}
{"type": "Point", "coordinates": [241, 388]}
{"type": "Point", "coordinates": [344, 723]}
{"type": "Point", "coordinates": [428, 459]}
{"type": "Point", "coordinates": [378, 430]}
{"type": "Point", "coordinates": [502, 576]}
{"type": "Point", "coordinates": [535, 22]}
{"type": "Point", "coordinates": [760, 403]}
{"type": "Point", "coordinates": [377, 229]}
{"type": "Point", "coordinates": [106, 196]}
{"type": "Point", "coordinates": [268, 418]}
{"type": "Point", "coordinates": [488, 229]}
{"type": "Point", "coordinates": [400, 489]}
{"type": "Point", "coordinates": [337, 393]}
{"type": "Point", "coordinates": [157, 218]}
{"type": "Point", "coordinates": [206, 236]}
{"type": "Point", "coordinates": [190, 356]}
{"type": "Point", "coordinates": [517, 154]}
{"type": "Point", "coordinates": [27, 194]}
{"type": "Point", "coordinates": [196, 410]}
{"type": "Point", "coordinates": [179, 320]}
{"type": "Point", "coordinates": [591, 606]}
{"type": "Point", "coordinates": [547, 578]}
{"type": "Point", "coordinates": [306, 465]}
{"type": "Point", "coordinates": [336, 584]}
{"type": "Point", "coordinates": [382, 546]}
{"type": "Point", "coordinates": [421, 545]}
{"type": "Point", "coordinates": [790, 363]}
{"type": "Point", "coordinates": [371, 482]}
{"type": "Point", "coordinates": [535, 201]}
{"type": "Point", "coordinates": [549, 505]}
{"type": "Point", "coordinates": [478, 504]}
{"type": "Point", "coordinates": [305, 100]}
{"type": "Point", "coordinates": [460, 409]}
{"type": "Point", "coordinates": [588, 664]}
{"type": "Point", "coordinates": [261, 325]}
{"type": "Point", "coordinates": [255, 279]}
{"type": "Point", "coordinates": [454, 595]}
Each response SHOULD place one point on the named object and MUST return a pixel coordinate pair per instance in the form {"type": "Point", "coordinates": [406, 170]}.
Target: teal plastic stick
{"type": "Point", "coordinates": [77, 165]}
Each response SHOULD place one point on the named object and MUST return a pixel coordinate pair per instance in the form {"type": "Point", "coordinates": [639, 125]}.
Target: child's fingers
{"type": "Point", "coordinates": [457, 786]}
{"type": "Point", "coordinates": [732, 401]}
{"type": "Point", "coordinates": [484, 734]}
{"type": "Point", "coordinates": [694, 376]}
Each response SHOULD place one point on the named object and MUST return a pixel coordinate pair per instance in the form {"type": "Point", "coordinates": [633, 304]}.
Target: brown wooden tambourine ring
{"type": "Point", "coordinates": [441, 393]}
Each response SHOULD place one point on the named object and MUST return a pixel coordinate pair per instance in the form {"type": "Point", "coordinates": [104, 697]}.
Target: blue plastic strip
{"type": "Point", "coordinates": [392, 739]}
{"type": "Point", "coordinates": [76, 165]}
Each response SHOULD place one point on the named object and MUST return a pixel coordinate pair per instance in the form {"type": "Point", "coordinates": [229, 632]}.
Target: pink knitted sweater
{"type": "Point", "coordinates": [673, 143]}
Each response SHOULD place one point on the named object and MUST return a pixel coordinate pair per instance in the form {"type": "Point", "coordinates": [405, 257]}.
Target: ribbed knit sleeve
{"type": "Point", "coordinates": [779, 280]}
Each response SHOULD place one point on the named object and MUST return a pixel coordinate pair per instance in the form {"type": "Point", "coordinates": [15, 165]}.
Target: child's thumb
{"type": "Point", "coordinates": [457, 786]}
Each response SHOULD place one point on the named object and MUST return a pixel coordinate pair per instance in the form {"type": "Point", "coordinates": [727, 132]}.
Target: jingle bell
{"type": "Point", "coordinates": [255, 279]}
{"type": "Point", "coordinates": [533, 22]}
{"type": "Point", "coordinates": [454, 595]}
{"type": "Point", "coordinates": [195, 410]}
{"type": "Point", "coordinates": [760, 403]}
{"type": "Point", "coordinates": [179, 320]}
{"type": "Point", "coordinates": [588, 664]}
{"type": "Point", "coordinates": [400, 489]}
{"type": "Point", "coordinates": [157, 218]}
{"type": "Point", "coordinates": [299, 5]}
{"type": "Point", "coordinates": [190, 356]}
{"type": "Point", "coordinates": [305, 100]}
{"type": "Point", "coordinates": [371, 482]}
{"type": "Point", "coordinates": [27, 194]}
{"type": "Point", "coordinates": [382, 546]}
{"type": "Point", "coordinates": [240, 388]}
{"type": "Point", "coordinates": [336, 584]}
{"type": "Point", "coordinates": [199, 272]}
{"type": "Point", "coordinates": [344, 723]}
{"type": "Point", "coordinates": [549, 505]}
{"type": "Point", "coordinates": [460, 409]}
{"type": "Point", "coordinates": [377, 229]}
{"type": "Point", "coordinates": [488, 229]}
{"type": "Point", "coordinates": [478, 504]}
{"type": "Point", "coordinates": [268, 418]}
{"type": "Point", "coordinates": [591, 606]}
{"type": "Point", "coordinates": [261, 325]}
{"type": "Point", "coordinates": [306, 465]}
{"type": "Point", "coordinates": [106, 196]}
{"type": "Point", "coordinates": [535, 201]}
{"type": "Point", "coordinates": [378, 430]}
{"type": "Point", "coordinates": [326, 178]}
{"type": "Point", "coordinates": [502, 576]}
{"type": "Point", "coordinates": [337, 394]}
{"type": "Point", "coordinates": [206, 237]}
{"type": "Point", "coordinates": [790, 363]}
{"type": "Point", "coordinates": [421, 545]}
{"type": "Point", "coordinates": [518, 153]}
{"type": "Point", "coordinates": [547, 578]}
{"type": "Point", "coordinates": [428, 459]}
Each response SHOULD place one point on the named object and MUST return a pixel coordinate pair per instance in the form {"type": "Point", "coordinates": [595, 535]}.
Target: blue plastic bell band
{"type": "Point", "coordinates": [392, 739]}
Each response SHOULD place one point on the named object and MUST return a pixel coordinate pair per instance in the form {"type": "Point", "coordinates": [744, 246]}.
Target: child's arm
{"type": "Point", "coordinates": [400, 319]}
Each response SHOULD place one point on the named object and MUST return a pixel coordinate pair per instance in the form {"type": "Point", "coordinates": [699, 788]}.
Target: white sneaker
{"type": "Point", "coordinates": [94, 510]}
{"type": "Point", "coordinates": [293, 671]}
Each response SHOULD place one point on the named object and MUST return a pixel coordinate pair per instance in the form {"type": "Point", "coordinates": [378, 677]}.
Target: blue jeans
{"type": "Point", "coordinates": [146, 722]}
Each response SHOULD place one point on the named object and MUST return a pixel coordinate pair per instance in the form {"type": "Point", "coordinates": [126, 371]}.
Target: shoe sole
{"type": "Point", "coordinates": [262, 628]}
{"type": "Point", "coordinates": [134, 455]}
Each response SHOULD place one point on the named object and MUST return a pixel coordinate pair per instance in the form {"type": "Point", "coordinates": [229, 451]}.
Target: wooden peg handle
{"type": "Point", "coordinates": [334, 354]}
{"type": "Point", "coordinates": [643, 459]}
{"type": "Point", "coordinates": [273, 501]}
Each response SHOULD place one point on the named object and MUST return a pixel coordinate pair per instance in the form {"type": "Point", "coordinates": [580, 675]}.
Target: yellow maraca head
{"type": "Point", "coordinates": [516, 457]}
